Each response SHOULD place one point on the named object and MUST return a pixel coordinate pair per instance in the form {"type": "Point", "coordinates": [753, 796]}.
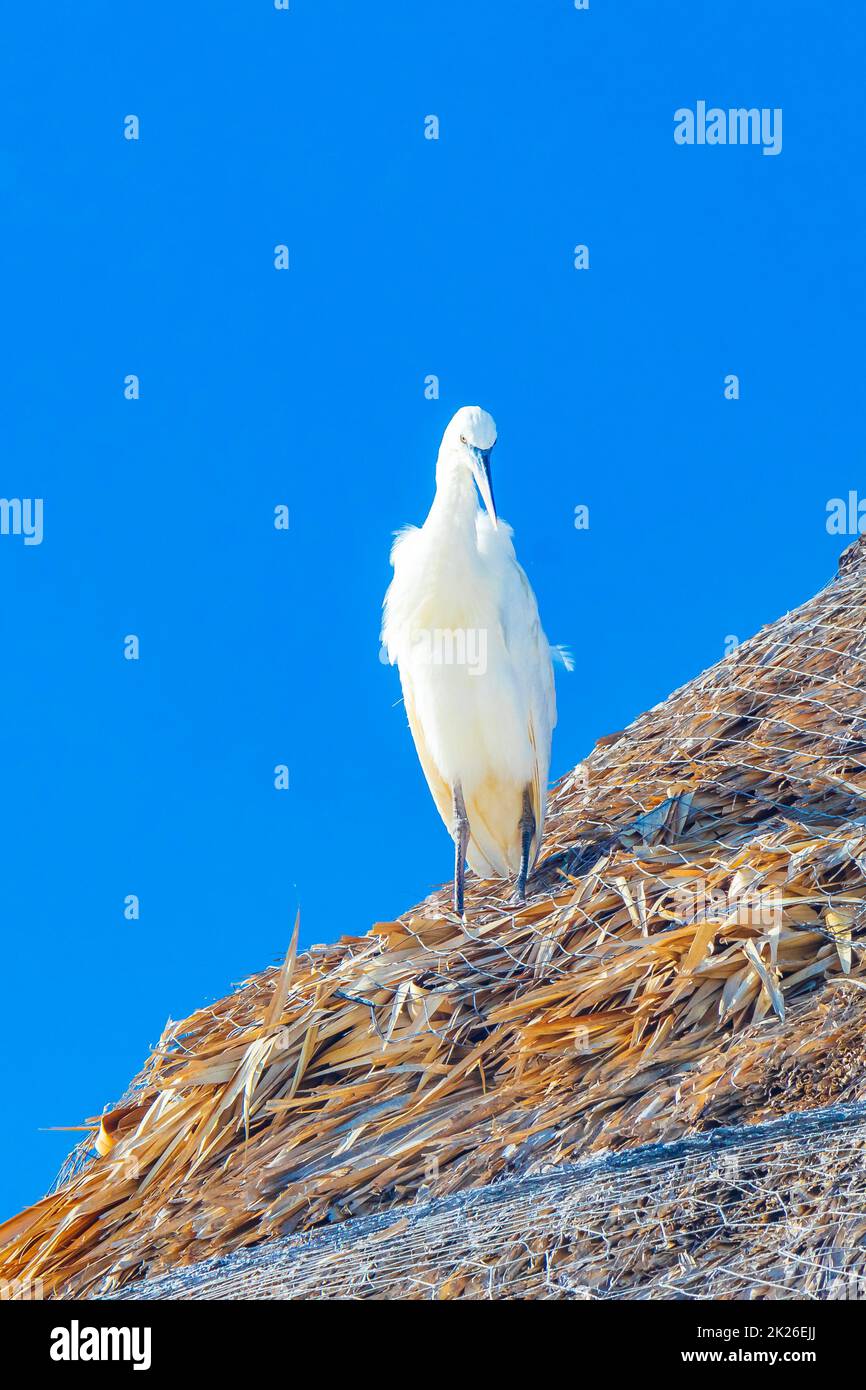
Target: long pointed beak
{"type": "Point", "coordinates": [484, 479]}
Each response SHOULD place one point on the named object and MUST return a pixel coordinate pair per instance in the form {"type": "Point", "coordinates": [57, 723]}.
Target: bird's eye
{"type": "Point", "coordinates": [463, 439]}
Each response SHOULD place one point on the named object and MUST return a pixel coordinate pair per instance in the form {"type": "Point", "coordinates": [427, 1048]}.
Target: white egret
{"type": "Point", "coordinates": [461, 622]}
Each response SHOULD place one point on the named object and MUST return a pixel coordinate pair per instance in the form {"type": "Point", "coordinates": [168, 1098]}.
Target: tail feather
{"type": "Point", "coordinates": [494, 845]}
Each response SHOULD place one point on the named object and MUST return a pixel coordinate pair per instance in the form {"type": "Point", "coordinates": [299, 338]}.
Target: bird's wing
{"type": "Point", "coordinates": [530, 653]}
{"type": "Point", "coordinates": [400, 608]}
{"type": "Point", "coordinates": [439, 789]}
{"type": "Point", "coordinates": [395, 629]}
{"type": "Point", "coordinates": [393, 608]}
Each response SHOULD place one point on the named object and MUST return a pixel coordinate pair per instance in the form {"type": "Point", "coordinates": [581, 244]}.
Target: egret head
{"type": "Point", "coordinates": [468, 442]}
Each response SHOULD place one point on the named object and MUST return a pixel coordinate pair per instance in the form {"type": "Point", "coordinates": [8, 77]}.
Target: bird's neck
{"type": "Point", "coordinates": [454, 507]}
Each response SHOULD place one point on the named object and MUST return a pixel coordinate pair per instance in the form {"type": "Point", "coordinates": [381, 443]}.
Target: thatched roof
{"type": "Point", "coordinates": [690, 956]}
{"type": "Point", "coordinates": [768, 1211]}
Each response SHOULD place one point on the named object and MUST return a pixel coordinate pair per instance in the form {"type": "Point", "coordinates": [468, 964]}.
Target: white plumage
{"type": "Point", "coordinates": [461, 622]}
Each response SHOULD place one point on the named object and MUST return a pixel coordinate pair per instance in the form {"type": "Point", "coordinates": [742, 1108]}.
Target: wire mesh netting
{"type": "Point", "coordinates": [769, 1211]}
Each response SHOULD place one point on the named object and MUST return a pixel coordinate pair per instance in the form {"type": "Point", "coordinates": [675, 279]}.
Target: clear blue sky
{"type": "Point", "coordinates": [408, 257]}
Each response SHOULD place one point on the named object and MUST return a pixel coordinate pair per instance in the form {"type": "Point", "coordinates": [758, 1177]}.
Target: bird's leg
{"type": "Point", "coordinates": [527, 830]}
{"type": "Point", "coordinates": [461, 844]}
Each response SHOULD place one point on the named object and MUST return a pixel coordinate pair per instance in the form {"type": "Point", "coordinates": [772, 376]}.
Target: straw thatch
{"type": "Point", "coordinates": [690, 955]}
{"type": "Point", "coordinates": [771, 1211]}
